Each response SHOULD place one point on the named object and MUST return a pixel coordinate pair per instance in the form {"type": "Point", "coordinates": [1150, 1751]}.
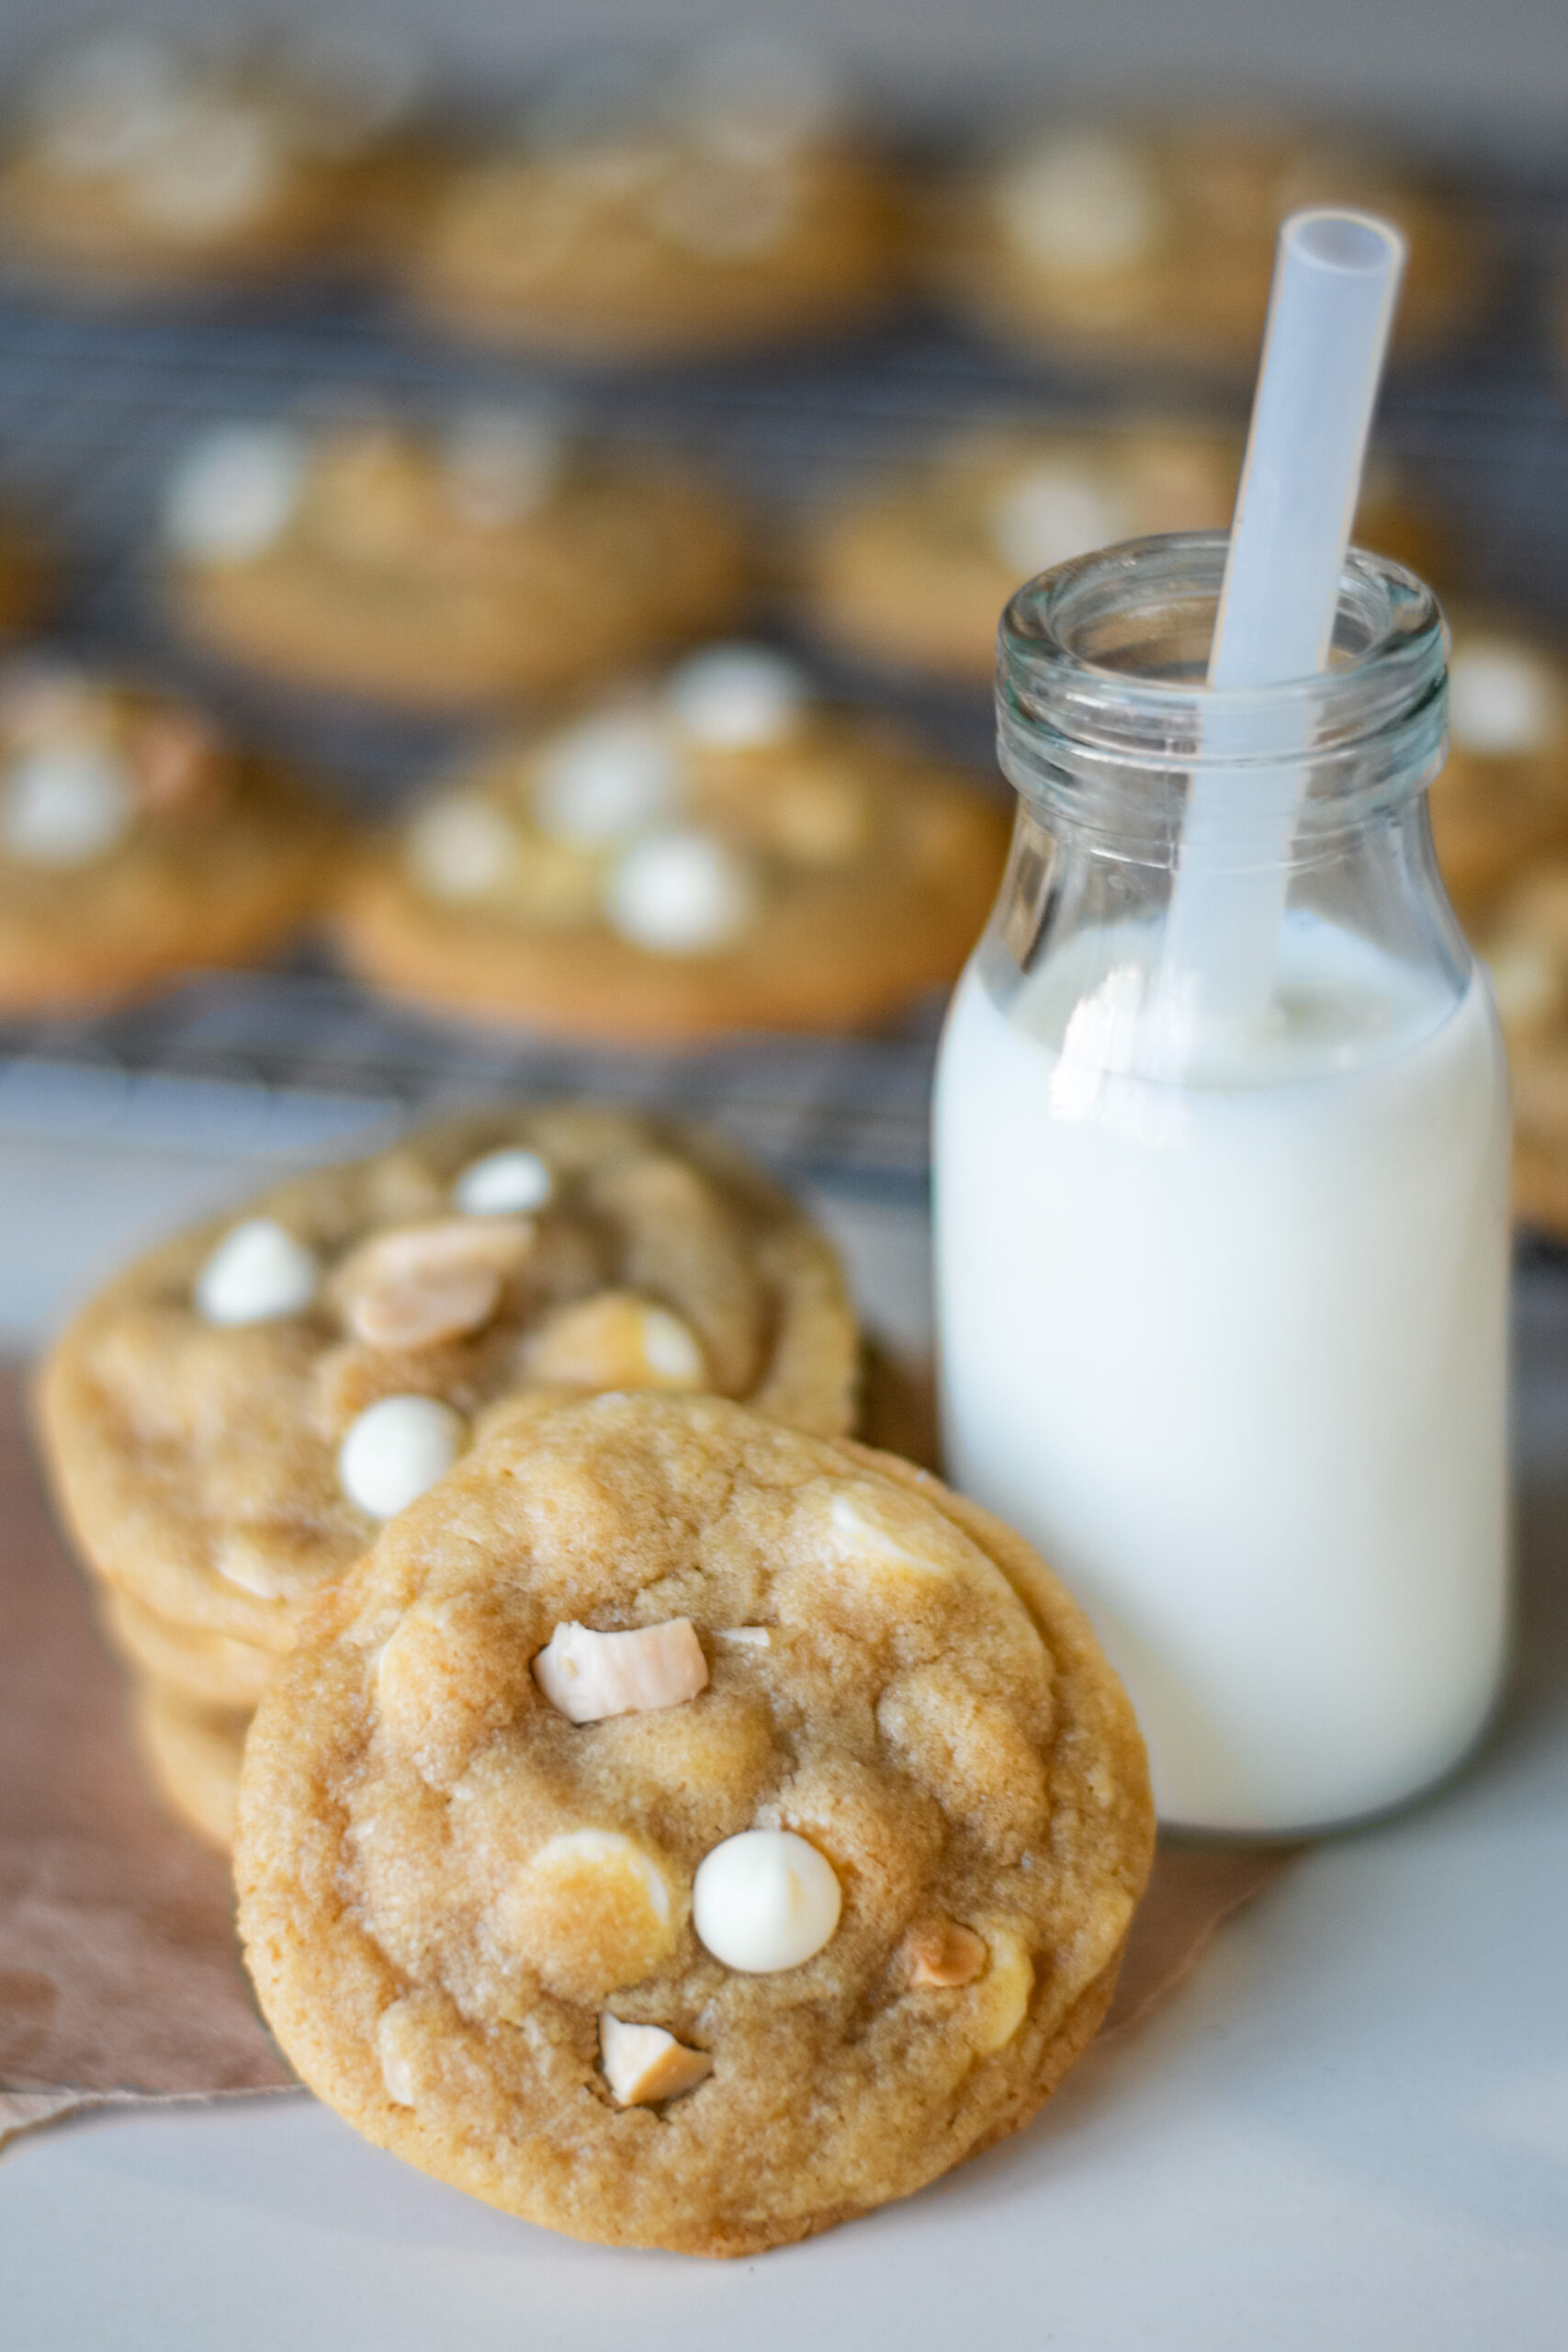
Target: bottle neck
{"type": "Point", "coordinates": [1109, 734]}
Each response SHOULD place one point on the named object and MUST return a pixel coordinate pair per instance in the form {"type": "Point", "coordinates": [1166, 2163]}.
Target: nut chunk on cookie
{"type": "Point", "coordinates": [643, 2065]}
{"type": "Point", "coordinates": [652, 1933]}
{"type": "Point", "coordinates": [590, 1676]}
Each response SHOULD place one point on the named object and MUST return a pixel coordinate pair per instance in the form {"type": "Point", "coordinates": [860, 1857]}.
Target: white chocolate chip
{"type": "Point", "coordinates": [258, 1272]}
{"type": "Point", "coordinates": [606, 1853]}
{"type": "Point", "coordinates": [232, 495]}
{"type": "Point", "coordinates": [592, 1910]}
{"type": "Point", "coordinates": [681, 894]}
{"type": "Point", "coordinates": [765, 1900]}
{"type": "Point", "coordinates": [506, 1182]}
{"type": "Point", "coordinates": [606, 779]}
{"type": "Point", "coordinates": [862, 1531]}
{"type": "Point", "coordinates": [65, 804]}
{"type": "Point", "coordinates": [460, 847]}
{"type": "Point", "coordinates": [397, 1449]}
{"type": "Point", "coordinates": [1500, 701]}
{"type": "Point", "coordinates": [737, 697]}
{"type": "Point", "coordinates": [101, 106]}
{"type": "Point", "coordinates": [744, 1637]}
{"type": "Point", "coordinates": [1082, 204]}
{"type": "Point", "coordinates": [591, 1676]}
{"type": "Point", "coordinates": [502, 464]}
{"type": "Point", "coordinates": [643, 2065]}
{"type": "Point", "coordinates": [1050, 513]}
{"type": "Point", "coordinates": [242, 1562]}
{"type": "Point", "coordinates": [615, 1340]}
{"type": "Point", "coordinates": [217, 165]}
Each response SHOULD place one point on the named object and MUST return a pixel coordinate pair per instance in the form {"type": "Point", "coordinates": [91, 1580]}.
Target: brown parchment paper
{"type": "Point", "coordinates": [120, 1981]}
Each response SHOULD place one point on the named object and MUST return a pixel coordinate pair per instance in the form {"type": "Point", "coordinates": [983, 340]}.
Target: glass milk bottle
{"type": "Point", "coordinates": [1221, 1294]}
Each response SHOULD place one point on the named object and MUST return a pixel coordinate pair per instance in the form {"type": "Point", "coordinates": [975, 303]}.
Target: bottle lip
{"type": "Point", "coordinates": [1103, 717]}
{"type": "Point", "coordinates": [1074, 645]}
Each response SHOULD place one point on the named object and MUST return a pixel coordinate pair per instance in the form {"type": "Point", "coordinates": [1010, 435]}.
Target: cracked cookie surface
{"type": "Point", "coordinates": [487, 1933]}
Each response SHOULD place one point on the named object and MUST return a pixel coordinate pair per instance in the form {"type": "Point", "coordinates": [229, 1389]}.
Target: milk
{"type": "Point", "coordinates": [1223, 1328]}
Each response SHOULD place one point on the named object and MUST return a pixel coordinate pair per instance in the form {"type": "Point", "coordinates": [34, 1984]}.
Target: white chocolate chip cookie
{"type": "Point", "coordinates": [721, 850]}
{"type": "Point", "coordinates": [768, 1931]}
{"type": "Point", "coordinates": [229, 1423]}
{"type": "Point", "coordinates": [136, 841]}
{"type": "Point", "coordinates": [441, 570]}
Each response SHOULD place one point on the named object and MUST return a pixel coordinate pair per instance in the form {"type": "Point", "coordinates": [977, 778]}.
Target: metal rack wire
{"type": "Point", "coordinates": [95, 403]}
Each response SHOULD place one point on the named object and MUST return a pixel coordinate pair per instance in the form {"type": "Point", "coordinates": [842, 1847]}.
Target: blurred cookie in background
{"type": "Point", "coordinates": [717, 851]}
{"type": "Point", "coordinates": [913, 574]}
{"type": "Point", "coordinates": [491, 556]}
{"type": "Point", "coordinates": [29, 573]}
{"type": "Point", "coordinates": [1525, 941]}
{"type": "Point", "coordinates": [138, 159]}
{"type": "Point", "coordinates": [135, 840]}
{"type": "Point", "coordinates": [1147, 240]}
{"type": "Point", "coordinates": [719, 199]}
{"type": "Point", "coordinates": [1500, 804]}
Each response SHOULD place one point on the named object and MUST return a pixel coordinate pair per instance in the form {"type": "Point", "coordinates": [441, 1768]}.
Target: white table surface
{"type": "Point", "coordinates": [1350, 2127]}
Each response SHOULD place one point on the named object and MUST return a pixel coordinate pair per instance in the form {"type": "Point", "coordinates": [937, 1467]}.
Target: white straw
{"type": "Point", "coordinates": [1336, 280]}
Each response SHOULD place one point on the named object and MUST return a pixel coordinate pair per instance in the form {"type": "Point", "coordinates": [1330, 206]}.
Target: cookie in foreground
{"type": "Point", "coordinates": [684, 1832]}
{"type": "Point", "coordinates": [228, 1423]}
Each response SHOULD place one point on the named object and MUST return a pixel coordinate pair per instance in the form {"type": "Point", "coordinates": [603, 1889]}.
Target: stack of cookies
{"type": "Point", "coordinates": [654, 1811]}
{"type": "Point", "coordinates": [231, 1421]}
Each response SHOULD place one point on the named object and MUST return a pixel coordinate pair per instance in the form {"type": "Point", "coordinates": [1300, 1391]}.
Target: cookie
{"type": "Point", "coordinates": [682, 1832]}
{"type": "Point", "coordinates": [135, 842]}
{"type": "Point", "coordinates": [228, 1422]}
{"type": "Point", "coordinates": [914, 573]}
{"type": "Point", "coordinates": [723, 204]}
{"type": "Point", "coordinates": [140, 162]}
{"type": "Point", "coordinates": [192, 1754]}
{"type": "Point", "coordinates": [441, 568]}
{"type": "Point", "coordinates": [1500, 804]}
{"type": "Point", "coordinates": [1154, 241]}
{"type": "Point", "coordinates": [212, 1670]}
{"type": "Point", "coordinates": [1525, 941]}
{"type": "Point", "coordinates": [722, 851]}
{"type": "Point", "coordinates": [26, 575]}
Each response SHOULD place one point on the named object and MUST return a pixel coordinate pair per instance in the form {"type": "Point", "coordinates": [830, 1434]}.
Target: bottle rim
{"type": "Point", "coordinates": [1103, 712]}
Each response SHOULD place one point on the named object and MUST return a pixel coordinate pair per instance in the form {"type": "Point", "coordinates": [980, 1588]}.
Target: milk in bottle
{"type": "Point", "coordinates": [1222, 1299]}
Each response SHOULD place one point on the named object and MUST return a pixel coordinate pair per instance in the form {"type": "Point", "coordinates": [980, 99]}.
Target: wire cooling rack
{"type": "Point", "coordinates": [94, 404]}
